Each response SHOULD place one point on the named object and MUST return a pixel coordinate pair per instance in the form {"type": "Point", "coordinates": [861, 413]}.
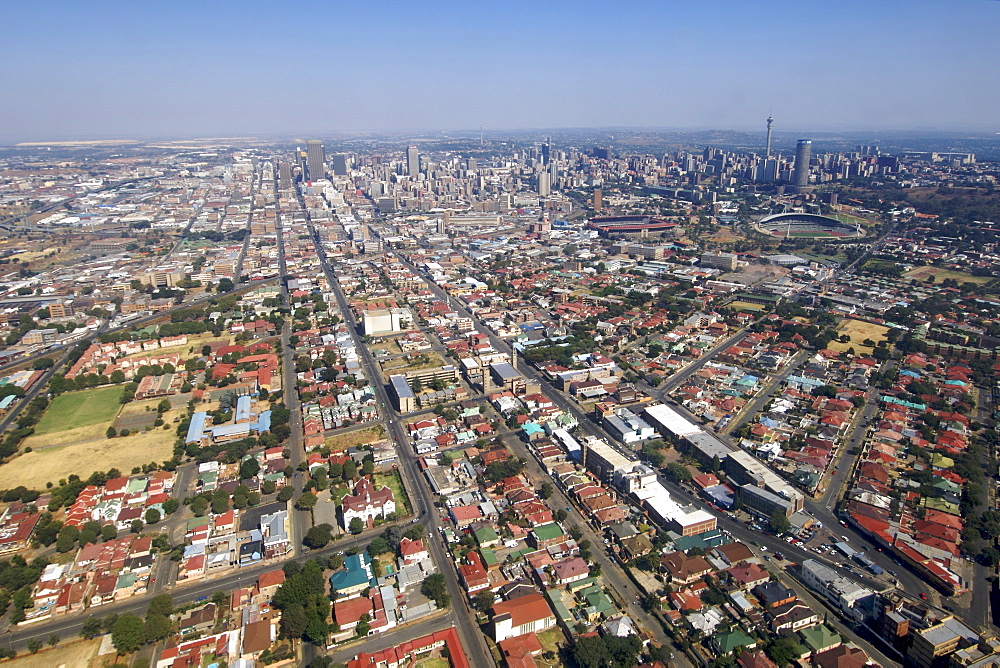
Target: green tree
{"type": "Point", "coordinates": [784, 651]}
{"type": "Point", "coordinates": [350, 470]}
{"type": "Point", "coordinates": [318, 536]}
{"type": "Point", "coordinates": [220, 501]}
{"type": "Point", "coordinates": [434, 587]}
{"type": "Point", "coordinates": [152, 516]}
{"type": "Point", "coordinates": [363, 626]}
{"type": "Point", "coordinates": [249, 468]}
{"type": "Point", "coordinates": [306, 502]}
{"type": "Point", "coordinates": [163, 604]}
{"type": "Point", "coordinates": [91, 628]}
{"type": "Point", "coordinates": [170, 506]}
{"type": "Point", "coordinates": [109, 532]}
{"type": "Point", "coordinates": [293, 621]}
{"type": "Point", "coordinates": [199, 506]}
{"type": "Point", "coordinates": [157, 628]}
{"type": "Point", "coordinates": [778, 523]}
{"type": "Point", "coordinates": [356, 526]}
{"type": "Point", "coordinates": [128, 633]}
{"type": "Point", "coordinates": [483, 600]}
{"type": "Point", "coordinates": [678, 472]}
{"type": "Point", "coordinates": [34, 645]}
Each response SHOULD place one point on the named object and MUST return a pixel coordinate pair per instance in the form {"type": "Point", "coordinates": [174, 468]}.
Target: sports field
{"type": "Point", "coordinates": [939, 274]}
{"type": "Point", "coordinates": [79, 409]}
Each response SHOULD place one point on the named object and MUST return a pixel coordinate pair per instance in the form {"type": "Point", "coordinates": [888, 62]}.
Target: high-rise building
{"type": "Point", "coordinates": [544, 184]}
{"type": "Point", "coordinates": [413, 161]}
{"type": "Point", "coordinates": [546, 148]}
{"type": "Point", "coordinates": [803, 153]}
{"type": "Point", "coordinates": [315, 159]}
{"type": "Point", "coordinates": [598, 199]}
{"type": "Point", "coordinates": [340, 164]}
{"type": "Point", "coordinates": [284, 175]}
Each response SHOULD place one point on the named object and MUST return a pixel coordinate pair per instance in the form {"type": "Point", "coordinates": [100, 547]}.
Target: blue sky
{"type": "Point", "coordinates": [218, 68]}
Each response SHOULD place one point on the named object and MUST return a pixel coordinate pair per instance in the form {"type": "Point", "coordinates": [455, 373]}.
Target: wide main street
{"type": "Point", "coordinates": [415, 484]}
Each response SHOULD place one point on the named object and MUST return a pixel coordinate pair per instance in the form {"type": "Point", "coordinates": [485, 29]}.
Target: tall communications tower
{"type": "Point", "coordinates": [770, 122]}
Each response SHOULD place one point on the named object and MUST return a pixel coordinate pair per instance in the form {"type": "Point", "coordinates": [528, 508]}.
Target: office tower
{"type": "Point", "coordinates": [546, 147]}
{"type": "Point", "coordinates": [340, 164]}
{"type": "Point", "coordinates": [471, 164]}
{"type": "Point", "coordinates": [544, 187]}
{"type": "Point", "coordinates": [770, 122]}
{"type": "Point", "coordinates": [413, 161]}
{"type": "Point", "coordinates": [803, 152]}
{"type": "Point", "coordinates": [284, 175]}
{"type": "Point", "coordinates": [300, 159]}
{"type": "Point", "coordinates": [315, 158]}
{"type": "Point", "coordinates": [598, 199]}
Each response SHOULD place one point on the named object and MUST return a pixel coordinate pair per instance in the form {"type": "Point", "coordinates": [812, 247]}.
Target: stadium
{"type": "Point", "coordinates": [630, 226]}
{"type": "Point", "coordinates": [808, 226]}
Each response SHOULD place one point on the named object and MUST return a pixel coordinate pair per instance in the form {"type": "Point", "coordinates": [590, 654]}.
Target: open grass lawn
{"type": "Point", "coordinates": [355, 438]}
{"type": "Point", "coordinates": [550, 641]}
{"type": "Point", "coordinates": [78, 409]}
{"type": "Point", "coordinates": [34, 469]}
{"type": "Point", "coordinates": [858, 330]}
{"type": "Point", "coordinates": [392, 480]}
{"type": "Point", "coordinates": [939, 274]}
{"type": "Point", "coordinates": [433, 662]}
{"type": "Point", "coordinates": [72, 654]}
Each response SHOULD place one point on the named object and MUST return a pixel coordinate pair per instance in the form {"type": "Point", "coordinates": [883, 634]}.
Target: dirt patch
{"type": "Point", "coordinates": [71, 655]}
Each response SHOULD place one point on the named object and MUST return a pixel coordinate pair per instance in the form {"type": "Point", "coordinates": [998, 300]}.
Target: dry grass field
{"type": "Point", "coordinates": [355, 438]}
{"type": "Point", "coordinates": [34, 469]}
{"type": "Point", "coordinates": [858, 330]}
{"type": "Point", "coordinates": [939, 274]}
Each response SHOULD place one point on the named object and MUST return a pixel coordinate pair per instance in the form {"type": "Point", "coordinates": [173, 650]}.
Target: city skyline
{"type": "Point", "coordinates": [126, 71]}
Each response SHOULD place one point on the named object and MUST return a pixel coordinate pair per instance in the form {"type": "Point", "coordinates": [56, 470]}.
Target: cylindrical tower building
{"type": "Point", "coordinates": [803, 152]}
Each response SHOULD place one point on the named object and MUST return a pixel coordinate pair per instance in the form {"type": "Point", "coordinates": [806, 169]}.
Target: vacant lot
{"type": "Point", "coordinates": [71, 655]}
{"type": "Point", "coordinates": [939, 274]}
{"type": "Point", "coordinates": [858, 330]}
{"type": "Point", "coordinates": [352, 439]}
{"type": "Point", "coordinates": [78, 409]}
{"type": "Point", "coordinates": [416, 362]}
{"type": "Point", "coordinates": [34, 469]}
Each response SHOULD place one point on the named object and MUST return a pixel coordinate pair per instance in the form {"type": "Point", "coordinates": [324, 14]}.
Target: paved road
{"type": "Point", "coordinates": [299, 521]}
{"type": "Point", "coordinates": [394, 637]}
{"type": "Point", "coordinates": [416, 484]}
{"type": "Point", "coordinates": [185, 592]}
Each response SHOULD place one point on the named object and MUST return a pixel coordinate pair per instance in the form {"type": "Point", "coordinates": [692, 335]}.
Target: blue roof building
{"type": "Point", "coordinates": [242, 413]}
{"type": "Point", "coordinates": [196, 430]}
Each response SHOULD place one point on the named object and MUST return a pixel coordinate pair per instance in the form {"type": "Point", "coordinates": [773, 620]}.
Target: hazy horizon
{"type": "Point", "coordinates": [182, 70]}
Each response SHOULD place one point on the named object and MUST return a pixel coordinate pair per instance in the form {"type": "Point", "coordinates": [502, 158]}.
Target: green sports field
{"type": "Point", "coordinates": [79, 409]}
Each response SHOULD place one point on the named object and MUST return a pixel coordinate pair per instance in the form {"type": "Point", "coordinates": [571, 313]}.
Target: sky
{"type": "Point", "coordinates": [173, 68]}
